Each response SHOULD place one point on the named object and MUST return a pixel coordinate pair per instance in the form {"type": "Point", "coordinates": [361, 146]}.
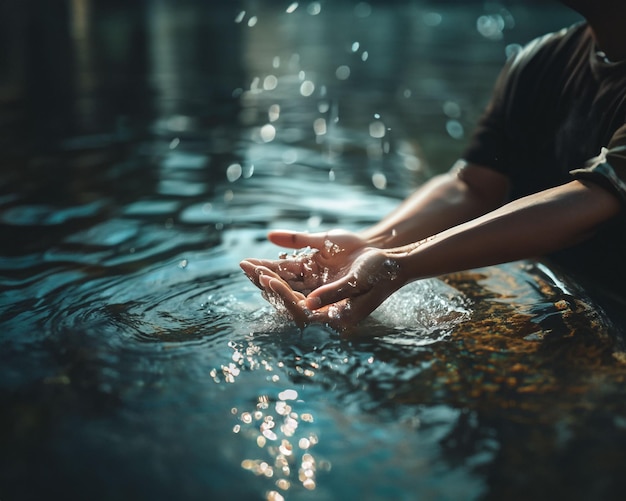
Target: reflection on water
{"type": "Point", "coordinates": [146, 148]}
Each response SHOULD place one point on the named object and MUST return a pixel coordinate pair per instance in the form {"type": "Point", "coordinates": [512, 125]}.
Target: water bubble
{"type": "Point", "coordinates": [269, 434]}
{"type": "Point", "coordinates": [379, 180]}
{"type": "Point", "coordinates": [270, 82]}
{"type": "Point", "coordinates": [274, 112]}
{"type": "Point", "coordinates": [355, 46]}
{"type": "Point", "coordinates": [319, 126]}
{"type": "Point", "coordinates": [452, 109]}
{"type": "Point", "coordinates": [274, 495]}
{"type": "Point", "coordinates": [314, 8]}
{"type": "Point", "coordinates": [252, 21]}
{"type": "Point", "coordinates": [233, 172]}
{"type": "Point", "coordinates": [365, 56]}
{"type": "Point", "coordinates": [377, 129]}
{"type": "Point", "coordinates": [288, 395]}
{"type": "Point", "coordinates": [307, 88]}
{"type": "Point", "coordinates": [240, 16]}
{"type": "Point", "coordinates": [491, 26]}
{"type": "Point", "coordinates": [455, 129]}
{"type": "Point", "coordinates": [268, 133]}
{"type": "Point", "coordinates": [342, 72]}
{"type": "Point", "coordinates": [292, 7]}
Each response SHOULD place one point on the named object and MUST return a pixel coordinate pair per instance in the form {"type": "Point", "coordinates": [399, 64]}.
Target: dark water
{"type": "Point", "coordinates": [147, 149]}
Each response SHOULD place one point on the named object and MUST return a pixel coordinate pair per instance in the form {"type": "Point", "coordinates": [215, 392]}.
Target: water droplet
{"type": "Point", "coordinates": [274, 112]}
{"type": "Point", "coordinates": [307, 88]}
{"type": "Point", "coordinates": [268, 133]}
{"type": "Point", "coordinates": [270, 82]}
{"type": "Point", "coordinates": [379, 180]}
{"type": "Point", "coordinates": [455, 129]}
{"type": "Point", "coordinates": [319, 126]}
{"type": "Point", "coordinates": [452, 109]}
{"type": "Point", "coordinates": [392, 268]}
{"type": "Point", "coordinates": [233, 172]}
{"type": "Point", "coordinates": [342, 72]}
{"type": "Point", "coordinates": [288, 395]}
{"type": "Point", "coordinates": [276, 496]}
{"type": "Point", "coordinates": [377, 129]}
{"type": "Point", "coordinates": [314, 8]}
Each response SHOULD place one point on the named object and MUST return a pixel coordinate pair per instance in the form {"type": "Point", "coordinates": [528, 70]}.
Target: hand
{"type": "Point", "coordinates": [326, 259]}
{"type": "Point", "coordinates": [341, 304]}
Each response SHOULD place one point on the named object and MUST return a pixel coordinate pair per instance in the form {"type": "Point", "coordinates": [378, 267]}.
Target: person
{"type": "Point", "coordinates": [544, 174]}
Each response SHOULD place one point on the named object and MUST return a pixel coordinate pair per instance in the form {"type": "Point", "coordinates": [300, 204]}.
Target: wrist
{"type": "Point", "coordinates": [377, 239]}
{"type": "Point", "coordinates": [411, 260]}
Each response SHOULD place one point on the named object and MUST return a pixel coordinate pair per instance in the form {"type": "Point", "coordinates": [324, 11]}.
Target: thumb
{"type": "Point", "coordinates": [296, 239]}
{"type": "Point", "coordinates": [346, 287]}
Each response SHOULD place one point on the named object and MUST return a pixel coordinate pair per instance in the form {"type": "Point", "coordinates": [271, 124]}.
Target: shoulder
{"type": "Point", "coordinates": [547, 60]}
{"type": "Point", "coordinates": [559, 44]}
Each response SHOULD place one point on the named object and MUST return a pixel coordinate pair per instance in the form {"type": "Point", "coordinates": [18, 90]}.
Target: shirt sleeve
{"type": "Point", "coordinates": [609, 166]}
{"type": "Point", "coordinates": [488, 144]}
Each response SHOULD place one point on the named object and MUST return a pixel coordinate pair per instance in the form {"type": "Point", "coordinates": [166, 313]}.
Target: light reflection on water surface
{"type": "Point", "coordinates": [135, 358]}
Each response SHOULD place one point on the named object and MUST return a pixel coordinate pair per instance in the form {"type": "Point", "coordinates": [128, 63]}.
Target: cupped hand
{"type": "Point", "coordinates": [324, 258]}
{"type": "Point", "coordinates": [342, 303]}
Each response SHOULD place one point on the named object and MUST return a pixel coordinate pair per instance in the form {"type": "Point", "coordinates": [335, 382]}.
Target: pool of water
{"type": "Point", "coordinates": [147, 149]}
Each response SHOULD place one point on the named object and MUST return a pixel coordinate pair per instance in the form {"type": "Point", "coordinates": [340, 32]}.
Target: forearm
{"type": "Point", "coordinates": [445, 201]}
{"type": "Point", "coordinates": [526, 228]}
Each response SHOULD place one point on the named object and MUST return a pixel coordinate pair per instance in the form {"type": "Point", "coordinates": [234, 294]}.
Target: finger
{"type": "Point", "coordinates": [249, 268]}
{"type": "Point", "coordinates": [344, 288]}
{"type": "Point", "coordinates": [292, 301]}
{"type": "Point", "coordinates": [256, 273]}
{"type": "Point", "coordinates": [290, 271]}
{"type": "Point", "coordinates": [284, 267]}
{"type": "Point", "coordinates": [297, 239]}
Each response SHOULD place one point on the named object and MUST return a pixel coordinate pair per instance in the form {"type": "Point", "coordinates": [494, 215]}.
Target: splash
{"type": "Point", "coordinates": [424, 308]}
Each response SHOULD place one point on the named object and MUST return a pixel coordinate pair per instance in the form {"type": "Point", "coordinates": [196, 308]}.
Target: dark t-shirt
{"type": "Point", "coordinates": [558, 112]}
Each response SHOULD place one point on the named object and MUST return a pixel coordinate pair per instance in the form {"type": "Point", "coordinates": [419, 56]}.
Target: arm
{"type": "Point", "coordinates": [464, 192]}
{"type": "Point", "coordinates": [528, 227]}
{"type": "Point", "coordinates": [459, 195]}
